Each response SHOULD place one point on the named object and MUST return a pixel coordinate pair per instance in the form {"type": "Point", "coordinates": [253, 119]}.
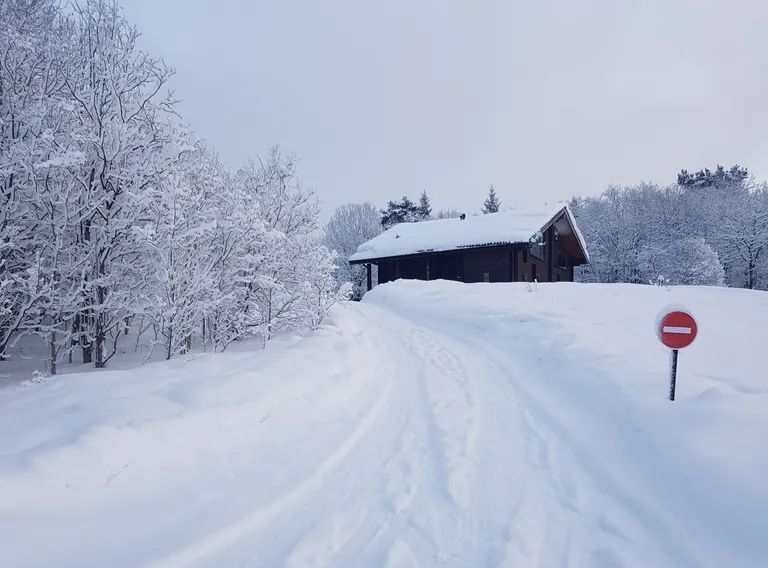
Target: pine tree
{"type": "Point", "coordinates": [425, 207]}
{"type": "Point", "coordinates": [403, 211]}
{"type": "Point", "coordinates": [733, 177]}
{"type": "Point", "coordinates": [492, 203]}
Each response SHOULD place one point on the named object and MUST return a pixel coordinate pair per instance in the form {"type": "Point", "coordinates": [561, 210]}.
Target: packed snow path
{"type": "Point", "coordinates": [427, 426]}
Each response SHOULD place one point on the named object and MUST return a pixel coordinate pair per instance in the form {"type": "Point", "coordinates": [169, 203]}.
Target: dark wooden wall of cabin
{"type": "Point", "coordinates": [555, 266]}
{"type": "Point", "coordinates": [444, 266]}
{"type": "Point", "coordinates": [413, 268]}
{"type": "Point", "coordinates": [492, 264]}
{"type": "Point", "coordinates": [386, 271]}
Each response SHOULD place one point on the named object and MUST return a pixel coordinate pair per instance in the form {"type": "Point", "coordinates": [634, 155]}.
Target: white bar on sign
{"type": "Point", "coordinates": [674, 329]}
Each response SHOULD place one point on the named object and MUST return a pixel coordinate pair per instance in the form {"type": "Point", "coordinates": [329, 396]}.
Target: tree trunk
{"type": "Point", "coordinates": [100, 335]}
{"type": "Point", "coordinates": [71, 343]}
{"type": "Point", "coordinates": [138, 335]}
{"type": "Point", "coordinates": [86, 346]}
{"type": "Point", "coordinates": [98, 359]}
{"type": "Point", "coordinates": [87, 352]}
{"type": "Point", "coordinates": [52, 353]}
{"type": "Point", "coordinates": [3, 347]}
{"type": "Point", "coordinates": [169, 344]}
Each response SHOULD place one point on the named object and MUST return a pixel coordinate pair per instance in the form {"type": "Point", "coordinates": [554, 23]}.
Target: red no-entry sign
{"type": "Point", "coordinates": [676, 329]}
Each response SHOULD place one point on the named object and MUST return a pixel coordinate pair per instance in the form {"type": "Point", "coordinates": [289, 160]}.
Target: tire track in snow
{"type": "Point", "coordinates": [554, 450]}
{"type": "Point", "coordinates": [413, 485]}
{"type": "Point", "coordinates": [345, 530]}
{"type": "Point", "coordinates": [257, 520]}
{"type": "Point", "coordinates": [413, 512]}
{"type": "Point", "coordinates": [420, 518]}
{"type": "Point", "coordinates": [456, 414]}
{"type": "Point", "coordinates": [449, 444]}
{"type": "Point", "coordinates": [430, 451]}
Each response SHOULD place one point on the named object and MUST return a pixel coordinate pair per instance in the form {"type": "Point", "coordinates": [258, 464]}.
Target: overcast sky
{"type": "Point", "coordinates": [542, 99]}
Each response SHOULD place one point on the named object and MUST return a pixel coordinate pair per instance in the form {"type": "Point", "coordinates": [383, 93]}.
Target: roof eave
{"type": "Point", "coordinates": [572, 222]}
{"type": "Point", "coordinates": [375, 259]}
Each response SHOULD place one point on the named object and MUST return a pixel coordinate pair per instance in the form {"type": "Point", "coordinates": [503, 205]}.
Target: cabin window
{"type": "Point", "coordinates": [559, 256]}
{"type": "Point", "coordinates": [533, 272]}
{"type": "Point", "coordinates": [486, 276]}
{"type": "Point", "coordinates": [525, 256]}
{"type": "Point", "coordinates": [537, 246]}
{"type": "Point", "coordinates": [537, 251]}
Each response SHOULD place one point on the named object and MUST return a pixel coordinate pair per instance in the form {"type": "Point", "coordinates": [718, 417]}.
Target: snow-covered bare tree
{"type": "Point", "coordinates": [179, 243]}
{"type": "Point", "coordinates": [320, 290]}
{"type": "Point", "coordinates": [710, 218]}
{"type": "Point", "coordinates": [684, 261]}
{"type": "Point", "coordinates": [56, 207]}
{"type": "Point", "coordinates": [112, 218]}
{"type": "Point", "coordinates": [31, 71]}
{"type": "Point", "coordinates": [273, 274]}
{"type": "Point", "coordinates": [448, 214]}
{"type": "Point", "coordinates": [130, 140]}
{"type": "Point", "coordinates": [742, 236]}
{"type": "Point", "coordinates": [614, 234]}
{"type": "Point", "coordinates": [238, 231]}
{"type": "Point", "coordinates": [350, 226]}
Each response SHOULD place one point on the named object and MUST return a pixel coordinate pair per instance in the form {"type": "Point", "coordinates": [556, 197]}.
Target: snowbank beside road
{"type": "Point", "coordinates": [121, 468]}
{"type": "Point", "coordinates": [435, 423]}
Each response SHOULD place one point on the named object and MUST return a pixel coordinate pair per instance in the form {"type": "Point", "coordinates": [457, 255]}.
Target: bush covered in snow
{"type": "Point", "coordinates": [686, 261]}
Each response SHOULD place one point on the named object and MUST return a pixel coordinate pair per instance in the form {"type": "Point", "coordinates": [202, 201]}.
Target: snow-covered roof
{"type": "Point", "coordinates": [504, 227]}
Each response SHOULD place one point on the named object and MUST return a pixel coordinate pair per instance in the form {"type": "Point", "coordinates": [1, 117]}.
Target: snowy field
{"type": "Point", "coordinates": [433, 424]}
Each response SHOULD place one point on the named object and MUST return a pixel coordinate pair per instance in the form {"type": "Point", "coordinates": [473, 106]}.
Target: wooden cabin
{"type": "Point", "coordinates": [509, 246]}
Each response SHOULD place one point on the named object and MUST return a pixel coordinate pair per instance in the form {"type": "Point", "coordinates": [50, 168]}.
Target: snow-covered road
{"type": "Point", "coordinates": [427, 426]}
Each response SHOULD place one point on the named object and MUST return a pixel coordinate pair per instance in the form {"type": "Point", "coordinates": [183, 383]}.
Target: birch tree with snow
{"type": "Point", "coordinates": [350, 226]}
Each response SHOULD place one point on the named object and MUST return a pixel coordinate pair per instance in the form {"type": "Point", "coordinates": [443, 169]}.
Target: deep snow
{"type": "Point", "coordinates": [434, 423]}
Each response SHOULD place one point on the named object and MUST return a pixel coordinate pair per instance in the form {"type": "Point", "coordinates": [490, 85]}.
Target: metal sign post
{"type": "Point", "coordinates": [676, 329]}
{"type": "Point", "coordinates": [673, 377]}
